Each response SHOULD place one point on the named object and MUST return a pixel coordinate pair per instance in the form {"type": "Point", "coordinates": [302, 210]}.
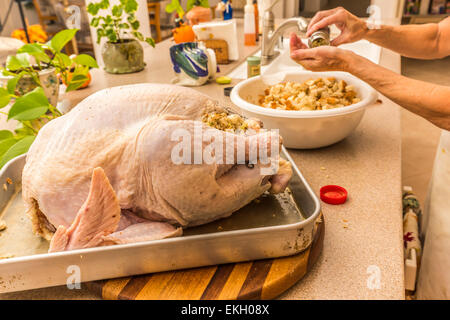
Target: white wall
{"type": "Point", "coordinates": [282, 9]}
{"type": "Point", "coordinates": [390, 9]}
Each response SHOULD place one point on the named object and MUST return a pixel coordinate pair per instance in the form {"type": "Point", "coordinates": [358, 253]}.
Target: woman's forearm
{"type": "Point", "coordinates": [428, 100]}
{"type": "Point", "coordinates": [415, 41]}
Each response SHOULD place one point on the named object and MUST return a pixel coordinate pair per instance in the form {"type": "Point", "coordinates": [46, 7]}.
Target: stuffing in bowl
{"type": "Point", "coordinates": [310, 109]}
{"type": "Point", "coordinates": [313, 94]}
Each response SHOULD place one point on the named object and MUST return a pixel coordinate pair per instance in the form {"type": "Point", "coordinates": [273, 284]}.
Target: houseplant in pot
{"type": "Point", "coordinates": [39, 64]}
{"type": "Point", "coordinates": [31, 110]}
{"type": "Point", "coordinates": [122, 52]}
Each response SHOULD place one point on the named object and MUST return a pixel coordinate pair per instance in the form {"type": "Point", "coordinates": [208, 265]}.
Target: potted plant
{"type": "Point", "coordinates": [32, 110]}
{"type": "Point", "coordinates": [39, 64]}
{"type": "Point", "coordinates": [122, 53]}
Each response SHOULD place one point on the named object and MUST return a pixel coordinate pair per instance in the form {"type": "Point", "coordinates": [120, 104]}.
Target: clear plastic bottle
{"type": "Point", "coordinates": [249, 24]}
{"type": "Point", "coordinates": [255, 6]}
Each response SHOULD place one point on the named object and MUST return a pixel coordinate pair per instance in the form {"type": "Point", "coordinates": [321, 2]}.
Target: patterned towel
{"type": "Point", "coordinates": [411, 215]}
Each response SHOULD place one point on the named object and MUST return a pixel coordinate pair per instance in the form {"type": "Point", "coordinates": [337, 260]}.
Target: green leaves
{"type": "Point", "coordinates": [13, 63]}
{"type": "Point", "coordinates": [130, 6]}
{"type": "Point", "coordinates": [60, 39]}
{"type": "Point", "coordinates": [86, 60]}
{"type": "Point", "coordinates": [138, 35]}
{"type": "Point", "coordinates": [117, 11]}
{"type": "Point", "coordinates": [29, 106]}
{"type": "Point", "coordinates": [5, 144]}
{"type": "Point", "coordinates": [113, 26]}
{"type": "Point", "coordinates": [23, 59]}
{"type": "Point", "coordinates": [36, 50]}
{"type": "Point", "coordinates": [12, 83]}
{"type": "Point", "coordinates": [150, 41]}
{"type": "Point", "coordinates": [100, 35]}
{"type": "Point", "coordinates": [108, 20]}
{"type": "Point", "coordinates": [104, 4]}
{"type": "Point", "coordinates": [62, 61]}
{"type": "Point", "coordinates": [95, 21]}
{"type": "Point", "coordinates": [111, 34]}
{"type": "Point", "coordinates": [131, 18]}
{"type": "Point", "coordinates": [16, 149]}
{"type": "Point", "coordinates": [23, 131]}
{"type": "Point", "coordinates": [135, 25]}
{"type": "Point", "coordinates": [175, 6]}
{"type": "Point", "coordinates": [5, 134]}
{"type": "Point", "coordinates": [11, 147]}
{"type": "Point", "coordinates": [4, 97]}
{"type": "Point", "coordinates": [78, 78]}
{"type": "Point", "coordinates": [93, 9]}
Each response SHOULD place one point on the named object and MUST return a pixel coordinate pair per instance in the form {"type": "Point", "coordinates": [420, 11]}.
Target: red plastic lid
{"type": "Point", "coordinates": [333, 194]}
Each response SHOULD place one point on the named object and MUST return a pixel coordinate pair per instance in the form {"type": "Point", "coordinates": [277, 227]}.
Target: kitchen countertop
{"type": "Point", "coordinates": [363, 238]}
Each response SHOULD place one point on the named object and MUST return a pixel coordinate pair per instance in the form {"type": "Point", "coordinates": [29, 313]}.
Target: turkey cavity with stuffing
{"type": "Point", "coordinates": [103, 173]}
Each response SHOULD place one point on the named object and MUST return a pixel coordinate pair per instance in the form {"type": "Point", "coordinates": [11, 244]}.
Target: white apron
{"type": "Point", "coordinates": [434, 275]}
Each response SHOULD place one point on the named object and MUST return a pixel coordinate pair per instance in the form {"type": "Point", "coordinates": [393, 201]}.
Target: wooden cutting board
{"type": "Point", "coordinates": [261, 279]}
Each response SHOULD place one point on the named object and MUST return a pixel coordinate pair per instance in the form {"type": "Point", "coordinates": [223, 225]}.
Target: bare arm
{"type": "Point", "coordinates": [428, 41]}
{"type": "Point", "coordinates": [427, 100]}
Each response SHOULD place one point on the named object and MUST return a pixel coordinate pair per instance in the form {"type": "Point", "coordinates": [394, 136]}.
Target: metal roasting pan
{"type": "Point", "coordinates": [272, 226]}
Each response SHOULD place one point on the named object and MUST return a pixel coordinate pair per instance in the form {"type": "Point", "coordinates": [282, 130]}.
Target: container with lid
{"type": "Point", "coordinates": [253, 66]}
{"type": "Point", "coordinates": [320, 38]}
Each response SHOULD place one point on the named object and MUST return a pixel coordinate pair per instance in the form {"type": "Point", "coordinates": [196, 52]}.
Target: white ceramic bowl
{"type": "Point", "coordinates": [304, 129]}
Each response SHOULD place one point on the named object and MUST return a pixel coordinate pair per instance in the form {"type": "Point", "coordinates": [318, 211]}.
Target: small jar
{"type": "Point", "coordinates": [253, 66]}
{"type": "Point", "coordinates": [320, 38]}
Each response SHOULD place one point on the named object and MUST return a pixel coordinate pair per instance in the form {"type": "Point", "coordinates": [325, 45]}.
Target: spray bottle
{"type": "Point", "coordinates": [255, 6]}
{"type": "Point", "coordinates": [249, 24]}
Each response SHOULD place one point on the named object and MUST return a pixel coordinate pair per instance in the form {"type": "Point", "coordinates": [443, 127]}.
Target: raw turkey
{"type": "Point", "coordinates": [103, 173]}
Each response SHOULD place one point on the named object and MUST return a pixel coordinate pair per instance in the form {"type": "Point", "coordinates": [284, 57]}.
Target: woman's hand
{"type": "Point", "coordinates": [352, 28]}
{"type": "Point", "coordinates": [323, 58]}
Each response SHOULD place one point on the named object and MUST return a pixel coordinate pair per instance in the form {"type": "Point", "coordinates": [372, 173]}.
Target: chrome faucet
{"type": "Point", "coordinates": [270, 36]}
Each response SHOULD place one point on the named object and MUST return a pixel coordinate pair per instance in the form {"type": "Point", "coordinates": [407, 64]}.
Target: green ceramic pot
{"type": "Point", "coordinates": [123, 57]}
